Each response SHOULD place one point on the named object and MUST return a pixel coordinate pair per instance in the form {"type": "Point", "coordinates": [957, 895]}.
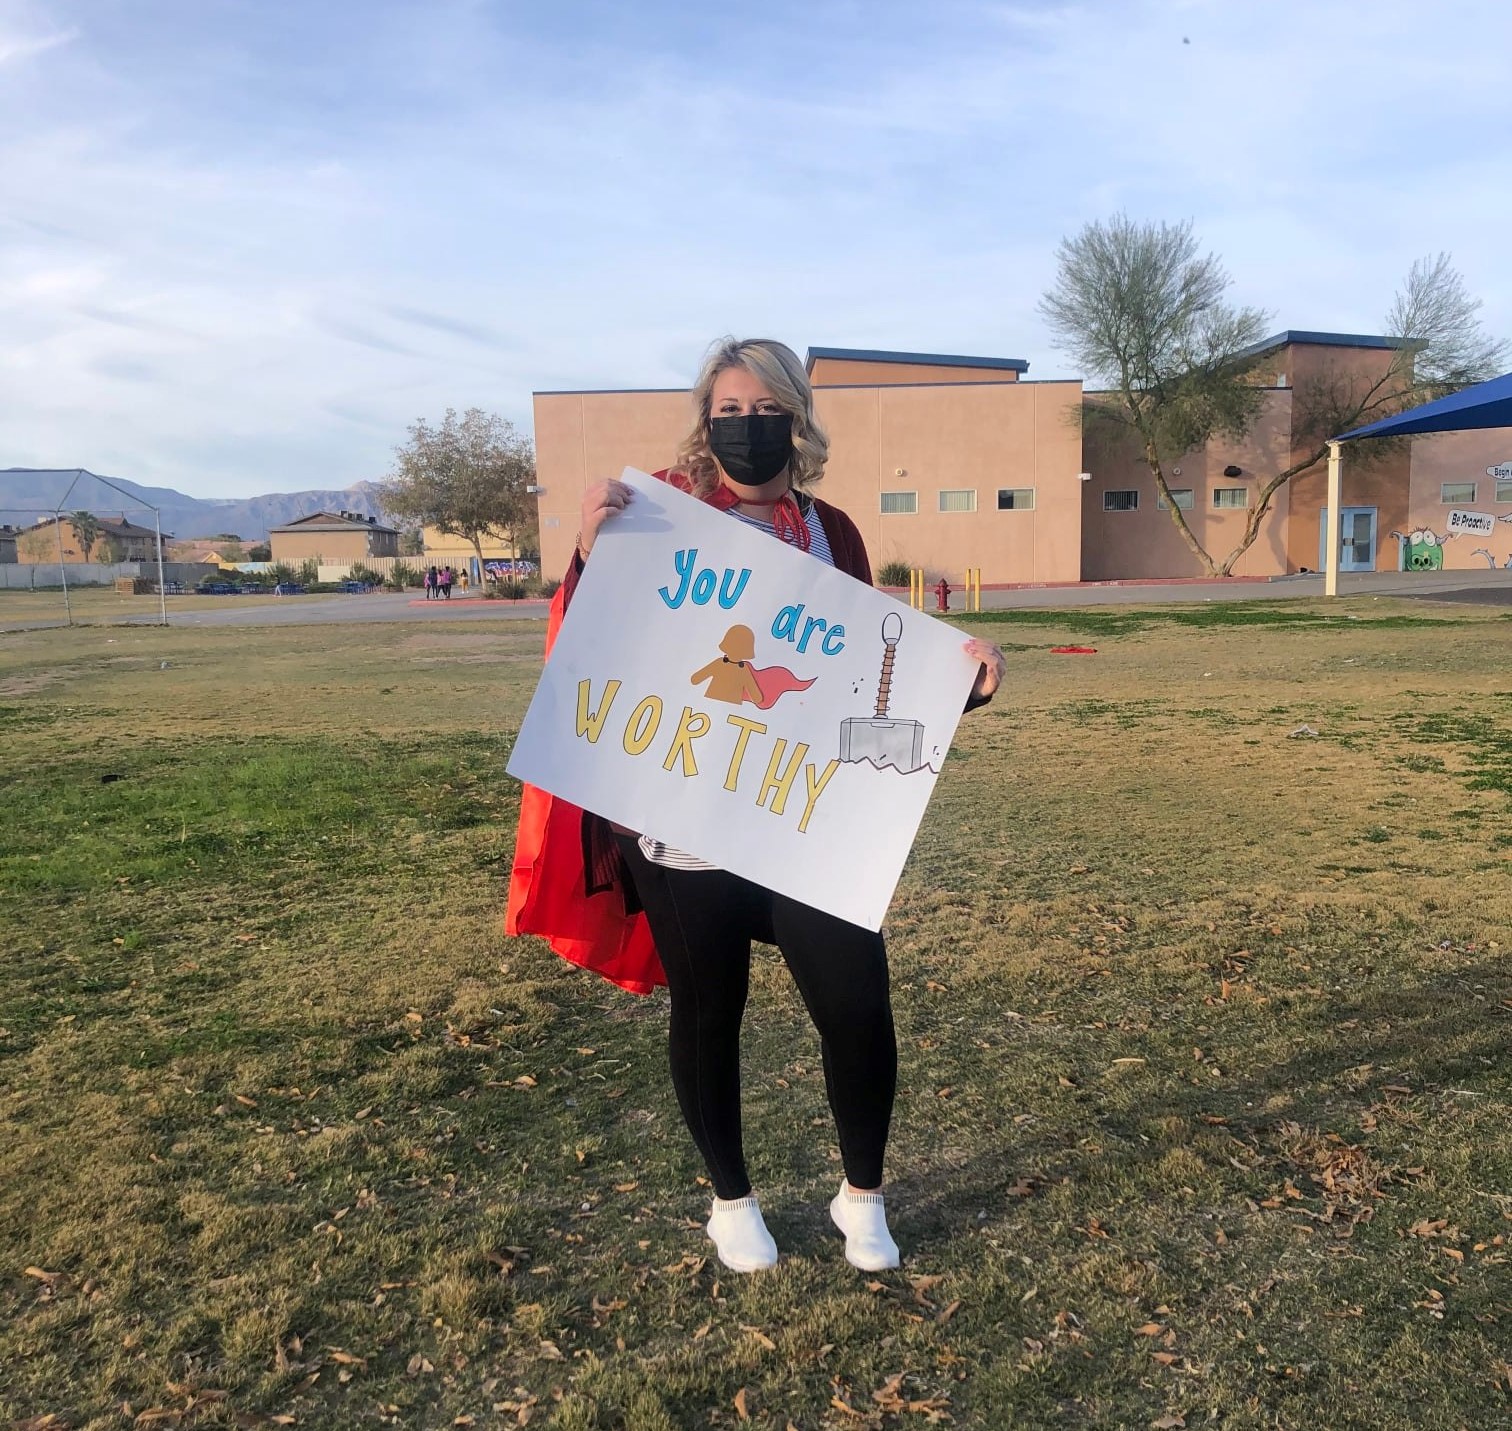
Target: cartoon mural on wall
{"type": "Point", "coordinates": [1421, 549]}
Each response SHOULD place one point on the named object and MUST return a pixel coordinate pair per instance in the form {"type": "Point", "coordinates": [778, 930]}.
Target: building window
{"type": "Point", "coordinates": [1125, 501]}
{"type": "Point", "coordinates": [900, 502]}
{"type": "Point", "coordinates": [1183, 497]}
{"type": "Point", "coordinates": [1231, 496]}
{"type": "Point", "coordinates": [963, 500]}
{"type": "Point", "coordinates": [1456, 492]}
{"type": "Point", "coordinates": [1015, 499]}
{"type": "Point", "coordinates": [1504, 491]}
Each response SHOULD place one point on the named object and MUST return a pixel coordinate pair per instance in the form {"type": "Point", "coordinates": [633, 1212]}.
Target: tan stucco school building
{"type": "Point", "coordinates": [948, 462]}
{"type": "Point", "coordinates": [333, 537]}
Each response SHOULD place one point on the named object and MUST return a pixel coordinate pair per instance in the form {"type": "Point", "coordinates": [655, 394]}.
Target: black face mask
{"type": "Point", "coordinates": [754, 448]}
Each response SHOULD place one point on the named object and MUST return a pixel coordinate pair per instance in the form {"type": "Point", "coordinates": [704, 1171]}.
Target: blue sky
{"type": "Point", "coordinates": [244, 243]}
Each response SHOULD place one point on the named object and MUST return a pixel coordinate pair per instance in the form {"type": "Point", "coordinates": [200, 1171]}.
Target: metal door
{"type": "Point", "coordinates": [1357, 539]}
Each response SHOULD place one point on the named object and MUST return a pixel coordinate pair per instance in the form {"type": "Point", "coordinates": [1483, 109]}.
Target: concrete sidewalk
{"type": "Point", "coordinates": [1488, 588]}
{"type": "Point", "coordinates": [1491, 588]}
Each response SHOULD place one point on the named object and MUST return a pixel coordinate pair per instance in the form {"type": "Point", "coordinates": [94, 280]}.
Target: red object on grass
{"type": "Point", "coordinates": [1073, 650]}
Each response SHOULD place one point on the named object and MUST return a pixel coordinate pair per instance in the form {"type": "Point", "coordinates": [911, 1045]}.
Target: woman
{"type": "Point", "coordinates": [754, 451]}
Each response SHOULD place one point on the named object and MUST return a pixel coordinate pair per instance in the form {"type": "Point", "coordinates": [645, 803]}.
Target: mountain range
{"type": "Point", "coordinates": [29, 494]}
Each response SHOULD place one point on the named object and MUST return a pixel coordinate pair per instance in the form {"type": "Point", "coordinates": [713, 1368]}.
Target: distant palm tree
{"type": "Point", "coordinates": [87, 529]}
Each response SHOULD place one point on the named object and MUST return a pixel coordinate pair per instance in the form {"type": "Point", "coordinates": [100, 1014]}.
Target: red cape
{"type": "Point", "coordinates": [547, 887]}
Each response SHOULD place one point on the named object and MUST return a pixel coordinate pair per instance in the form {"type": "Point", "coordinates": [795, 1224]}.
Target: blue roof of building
{"type": "Point", "coordinates": [938, 360]}
{"type": "Point", "coordinates": [1323, 340]}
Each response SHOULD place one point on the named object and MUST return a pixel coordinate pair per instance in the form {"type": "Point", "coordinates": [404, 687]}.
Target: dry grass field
{"type": "Point", "coordinates": [1205, 1108]}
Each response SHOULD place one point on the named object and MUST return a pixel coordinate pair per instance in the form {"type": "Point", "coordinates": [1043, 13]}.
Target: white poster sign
{"type": "Point", "coordinates": [723, 692]}
{"type": "Point", "coordinates": [1471, 524]}
{"type": "Point", "coordinates": [1502, 471]}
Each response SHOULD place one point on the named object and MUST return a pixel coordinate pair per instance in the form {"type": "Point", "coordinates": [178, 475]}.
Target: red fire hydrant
{"type": "Point", "coordinates": [942, 594]}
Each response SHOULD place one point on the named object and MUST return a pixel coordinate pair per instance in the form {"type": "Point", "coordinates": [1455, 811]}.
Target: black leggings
{"type": "Point", "coordinates": [703, 922]}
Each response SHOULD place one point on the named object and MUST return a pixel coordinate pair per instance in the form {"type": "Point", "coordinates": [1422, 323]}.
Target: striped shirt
{"type": "Point", "coordinates": [664, 854]}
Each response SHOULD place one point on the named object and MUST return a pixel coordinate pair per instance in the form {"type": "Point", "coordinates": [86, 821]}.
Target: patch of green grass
{"type": "Point", "coordinates": [1208, 615]}
{"type": "Point", "coordinates": [1484, 740]}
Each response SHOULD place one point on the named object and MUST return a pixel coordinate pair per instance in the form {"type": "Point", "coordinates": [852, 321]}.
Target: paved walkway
{"type": "Point", "coordinates": [1489, 588]}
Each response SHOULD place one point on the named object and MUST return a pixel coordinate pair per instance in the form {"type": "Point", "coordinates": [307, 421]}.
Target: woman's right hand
{"type": "Point", "coordinates": [600, 502]}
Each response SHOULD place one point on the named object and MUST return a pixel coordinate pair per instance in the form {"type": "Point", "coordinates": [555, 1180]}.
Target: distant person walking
{"type": "Point", "coordinates": [446, 581]}
{"type": "Point", "coordinates": [431, 581]}
{"type": "Point", "coordinates": [462, 577]}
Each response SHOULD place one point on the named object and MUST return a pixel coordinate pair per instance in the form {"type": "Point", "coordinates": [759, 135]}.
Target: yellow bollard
{"type": "Point", "coordinates": [916, 588]}
{"type": "Point", "coordinates": [974, 581]}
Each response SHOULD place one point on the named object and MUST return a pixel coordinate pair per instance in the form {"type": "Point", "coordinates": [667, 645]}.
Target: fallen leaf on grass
{"type": "Point", "coordinates": [947, 1313]}
{"type": "Point", "coordinates": [921, 1286]}
{"type": "Point", "coordinates": [49, 1421]}
{"type": "Point", "coordinates": [525, 1081]}
{"type": "Point", "coordinates": [346, 1358]}
{"type": "Point", "coordinates": [244, 1100]}
{"type": "Point", "coordinates": [1150, 1329]}
{"type": "Point", "coordinates": [1165, 1359]}
{"type": "Point", "coordinates": [418, 1366]}
{"type": "Point", "coordinates": [740, 1405]}
{"type": "Point", "coordinates": [890, 1397]}
{"type": "Point", "coordinates": [1169, 1423]}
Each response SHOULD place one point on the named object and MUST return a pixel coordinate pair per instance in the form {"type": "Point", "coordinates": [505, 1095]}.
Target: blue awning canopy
{"type": "Point", "coordinates": [1487, 404]}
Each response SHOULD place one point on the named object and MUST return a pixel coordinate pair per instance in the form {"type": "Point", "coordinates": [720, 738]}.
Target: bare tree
{"type": "Point", "coordinates": [1441, 348]}
{"type": "Point", "coordinates": [1140, 310]}
{"type": "Point", "coordinates": [466, 477]}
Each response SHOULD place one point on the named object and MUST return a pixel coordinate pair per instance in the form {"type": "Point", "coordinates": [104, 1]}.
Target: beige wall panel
{"type": "Point", "coordinates": [1058, 535]}
{"type": "Point", "coordinates": [945, 437]}
{"type": "Point", "coordinates": [325, 546]}
{"type": "Point", "coordinates": [582, 438]}
{"type": "Point", "coordinates": [1145, 543]}
{"type": "Point", "coordinates": [1459, 457]}
{"type": "Point", "coordinates": [1383, 485]}
{"type": "Point", "coordinates": [828, 372]}
{"type": "Point", "coordinates": [849, 418]}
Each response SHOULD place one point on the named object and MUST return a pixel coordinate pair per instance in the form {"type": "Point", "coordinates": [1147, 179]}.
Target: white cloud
{"type": "Point", "coordinates": [15, 48]}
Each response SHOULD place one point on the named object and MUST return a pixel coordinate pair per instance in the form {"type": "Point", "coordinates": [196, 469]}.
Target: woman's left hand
{"type": "Point", "coordinates": [993, 664]}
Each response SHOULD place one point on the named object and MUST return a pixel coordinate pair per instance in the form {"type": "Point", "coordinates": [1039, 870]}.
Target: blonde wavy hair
{"type": "Point", "coordinates": [780, 369]}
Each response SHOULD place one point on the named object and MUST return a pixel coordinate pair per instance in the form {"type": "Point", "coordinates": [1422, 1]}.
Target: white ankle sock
{"type": "Point", "coordinates": [862, 1217]}
{"type": "Point", "coordinates": [740, 1235]}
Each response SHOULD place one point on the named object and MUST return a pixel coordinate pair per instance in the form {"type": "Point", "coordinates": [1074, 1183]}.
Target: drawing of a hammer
{"type": "Point", "coordinates": [881, 739]}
